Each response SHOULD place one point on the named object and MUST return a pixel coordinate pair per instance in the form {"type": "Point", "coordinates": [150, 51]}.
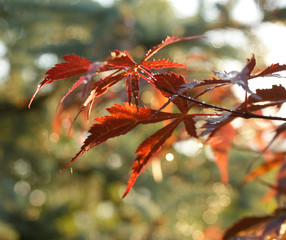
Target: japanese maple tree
{"type": "Point", "coordinates": [216, 130]}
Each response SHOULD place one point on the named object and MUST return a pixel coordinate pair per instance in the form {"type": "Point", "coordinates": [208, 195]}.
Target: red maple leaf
{"type": "Point", "coordinates": [126, 117]}
{"type": "Point", "coordinates": [221, 143]}
{"type": "Point", "coordinates": [275, 95]}
{"type": "Point", "coordinates": [234, 77]}
{"type": "Point", "coordinates": [73, 66]}
{"type": "Point", "coordinates": [127, 68]}
{"type": "Point", "coordinates": [123, 66]}
{"type": "Point", "coordinates": [264, 168]}
{"type": "Point", "coordinates": [172, 82]}
{"type": "Point", "coordinates": [122, 120]}
{"type": "Point", "coordinates": [273, 68]}
{"type": "Point", "coordinates": [148, 148]}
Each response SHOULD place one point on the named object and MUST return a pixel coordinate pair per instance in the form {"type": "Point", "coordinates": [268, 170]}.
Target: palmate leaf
{"type": "Point", "coordinates": [123, 118]}
{"type": "Point", "coordinates": [234, 77]}
{"type": "Point", "coordinates": [121, 61]}
{"type": "Point", "coordinates": [152, 144]}
{"type": "Point", "coordinates": [126, 117]}
{"type": "Point", "coordinates": [123, 66]}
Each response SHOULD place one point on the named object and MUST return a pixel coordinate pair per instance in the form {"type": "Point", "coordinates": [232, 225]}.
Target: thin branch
{"type": "Point", "coordinates": [219, 108]}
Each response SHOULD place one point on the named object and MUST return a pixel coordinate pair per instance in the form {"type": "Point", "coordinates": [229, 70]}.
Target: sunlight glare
{"type": "Point", "coordinates": [273, 36]}
{"type": "Point", "coordinates": [188, 147]}
{"type": "Point", "coordinates": [4, 70]}
{"type": "Point", "coordinates": [184, 8]}
{"type": "Point", "coordinates": [247, 12]}
{"type": "Point", "coordinates": [105, 3]}
{"type": "Point", "coordinates": [46, 60]}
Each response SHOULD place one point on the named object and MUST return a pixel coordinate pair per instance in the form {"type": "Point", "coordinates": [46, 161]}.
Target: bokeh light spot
{"type": "Point", "coordinates": [210, 217]}
{"type": "Point", "coordinates": [47, 60]}
{"type": "Point", "coordinates": [22, 168]}
{"type": "Point", "coordinates": [22, 188]}
{"type": "Point", "coordinates": [37, 198]}
{"type": "Point", "coordinates": [169, 157]}
{"type": "Point", "coordinates": [105, 210]}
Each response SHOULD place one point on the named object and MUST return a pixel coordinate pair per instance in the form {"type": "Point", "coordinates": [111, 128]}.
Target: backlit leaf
{"type": "Point", "coordinates": [108, 127]}
{"type": "Point", "coordinates": [101, 86]}
{"type": "Point", "coordinates": [120, 59]}
{"type": "Point", "coordinates": [279, 130]}
{"type": "Point", "coordinates": [132, 83]}
{"type": "Point", "coordinates": [276, 93]}
{"type": "Point", "coordinates": [263, 169]}
{"type": "Point", "coordinates": [242, 227]}
{"type": "Point", "coordinates": [281, 178]}
{"type": "Point", "coordinates": [74, 86]}
{"type": "Point", "coordinates": [190, 126]}
{"type": "Point", "coordinates": [73, 66]}
{"type": "Point", "coordinates": [172, 82]}
{"type": "Point", "coordinates": [220, 143]}
{"type": "Point", "coordinates": [157, 64]}
{"type": "Point", "coordinates": [146, 150]}
{"type": "Point", "coordinates": [271, 69]}
{"type": "Point", "coordinates": [142, 115]}
{"type": "Point", "coordinates": [123, 118]}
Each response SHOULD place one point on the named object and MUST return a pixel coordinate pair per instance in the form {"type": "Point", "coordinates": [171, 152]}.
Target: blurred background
{"type": "Point", "coordinates": [178, 197]}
